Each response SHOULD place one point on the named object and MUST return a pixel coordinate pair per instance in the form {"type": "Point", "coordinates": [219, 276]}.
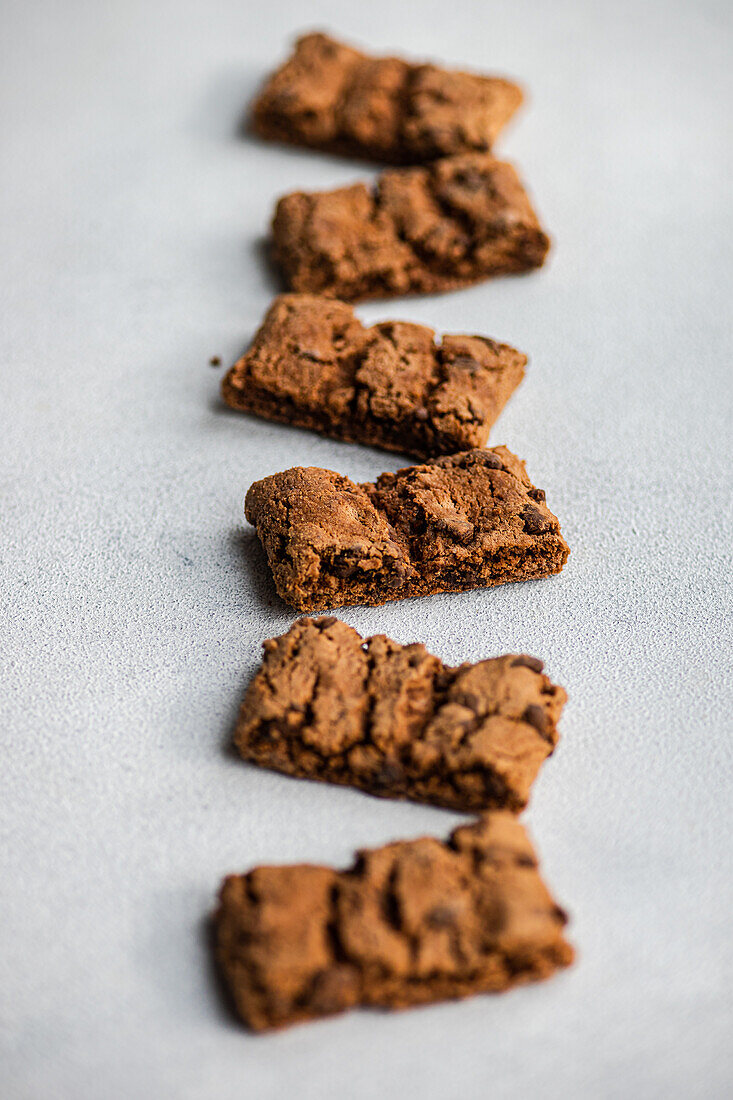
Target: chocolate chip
{"type": "Point", "coordinates": [326, 621]}
{"type": "Point", "coordinates": [442, 916]}
{"type": "Point", "coordinates": [469, 179]}
{"type": "Point", "coordinates": [396, 576]}
{"type": "Point", "coordinates": [342, 567]}
{"type": "Point", "coordinates": [536, 716]}
{"type": "Point", "coordinates": [492, 461]}
{"type": "Point", "coordinates": [526, 861]}
{"type": "Point", "coordinates": [458, 527]}
{"type": "Point", "coordinates": [537, 494]}
{"type": "Point", "coordinates": [348, 561]}
{"type": "Point", "coordinates": [390, 773]}
{"type": "Point", "coordinates": [523, 661]}
{"type": "Point", "coordinates": [334, 989]}
{"type": "Point", "coordinates": [535, 521]}
{"type": "Point", "coordinates": [464, 362]}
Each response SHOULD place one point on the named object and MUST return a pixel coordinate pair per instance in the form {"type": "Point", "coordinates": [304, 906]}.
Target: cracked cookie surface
{"type": "Point", "coordinates": [463, 521]}
{"type": "Point", "coordinates": [411, 923]}
{"type": "Point", "coordinates": [419, 230]}
{"type": "Point", "coordinates": [330, 96]}
{"type": "Point", "coordinates": [395, 721]}
{"type": "Point", "coordinates": [314, 365]}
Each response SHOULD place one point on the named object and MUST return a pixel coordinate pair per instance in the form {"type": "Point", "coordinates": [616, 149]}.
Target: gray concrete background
{"type": "Point", "coordinates": [135, 601]}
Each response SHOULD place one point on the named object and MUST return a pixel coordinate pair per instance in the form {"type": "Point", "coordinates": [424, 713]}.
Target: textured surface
{"type": "Point", "coordinates": [328, 95]}
{"type": "Point", "coordinates": [394, 720]}
{"type": "Point", "coordinates": [465, 521]}
{"type": "Point", "coordinates": [414, 231]}
{"type": "Point", "coordinates": [393, 385]}
{"type": "Point", "coordinates": [413, 922]}
{"type": "Point", "coordinates": [134, 603]}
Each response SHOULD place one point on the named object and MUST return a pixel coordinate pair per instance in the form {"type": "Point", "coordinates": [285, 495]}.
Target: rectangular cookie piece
{"type": "Point", "coordinates": [395, 721]}
{"type": "Point", "coordinates": [313, 364]}
{"type": "Point", "coordinates": [470, 520]}
{"type": "Point", "coordinates": [332, 97]}
{"type": "Point", "coordinates": [419, 230]}
{"type": "Point", "coordinates": [411, 923]}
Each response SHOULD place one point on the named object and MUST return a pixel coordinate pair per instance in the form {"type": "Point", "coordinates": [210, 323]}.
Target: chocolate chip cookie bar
{"type": "Point", "coordinates": [464, 521]}
{"type": "Point", "coordinates": [332, 97]}
{"type": "Point", "coordinates": [314, 365]}
{"type": "Point", "coordinates": [395, 721]}
{"type": "Point", "coordinates": [411, 923]}
{"type": "Point", "coordinates": [419, 230]}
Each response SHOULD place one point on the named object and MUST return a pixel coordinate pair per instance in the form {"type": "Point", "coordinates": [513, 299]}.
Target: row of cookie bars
{"type": "Point", "coordinates": [415, 921]}
{"type": "Point", "coordinates": [457, 216]}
